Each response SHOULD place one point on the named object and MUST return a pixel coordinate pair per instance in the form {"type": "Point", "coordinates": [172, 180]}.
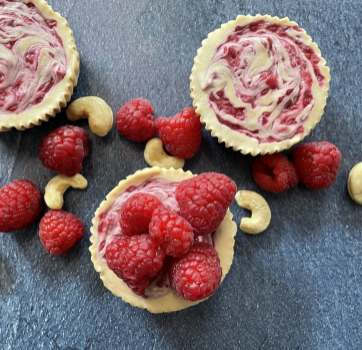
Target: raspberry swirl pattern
{"type": "Point", "coordinates": [32, 56]}
{"type": "Point", "coordinates": [259, 84]}
{"type": "Point", "coordinates": [39, 63]}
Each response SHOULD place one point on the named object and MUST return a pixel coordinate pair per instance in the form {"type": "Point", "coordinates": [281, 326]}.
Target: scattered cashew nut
{"type": "Point", "coordinates": [260, 212]}
{"type": "Point", "coordinates": [99, 114]}
{"type": "Point", "coordinates": [56, 187]}
{"type": "Point", "coordinates": [355, 183]}
{"type": "Point", "coordinates": [156, 156]}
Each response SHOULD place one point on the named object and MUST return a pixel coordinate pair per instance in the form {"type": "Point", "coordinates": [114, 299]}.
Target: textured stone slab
{"type": "Point", "coordinates": [296, 286]}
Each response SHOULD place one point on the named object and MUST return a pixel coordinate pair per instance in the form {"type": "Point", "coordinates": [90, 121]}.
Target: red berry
{"type": "Point", "coordinates": [64, 149]}
{"type": "Point", "coordinates": [274, 173]}
{"type": "Point", "coordinates": [136, 213]}
{"type": "Point", "coordinates": [197, 274]}
{"type": "Point", "coordinates": [20, 205]}
{"type": "Point", "coordinates": [317, 164]}
{"type": "Point", "coordinates": [182, 134]}
{"type": "Point", "coordinates": [174, 233]}
{"type": "Point", "coordinates": [135, 120]}
{"type": "Point", "coordinates": [204, 200]}
{"type": "Point", "coordinates": [136, 260]}
{"type": "Point", "coordinates": [59, 231]}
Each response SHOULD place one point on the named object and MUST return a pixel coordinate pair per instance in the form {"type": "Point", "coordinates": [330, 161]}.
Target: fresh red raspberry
{"type": "Point", "coordinates": [182, 134]}
{"type": "Point", "coordinates": [197, 274]}
{"type": "Point", "coordinates": [135, 120]}
{"type": "Point", "coordinates": [174, 233]}
{"type": "Point", "coordinates": [204, 200]}
{"type": "Point", "coordinates": [20, 205]}
{"type": "Point", "coordinates": [136, 213]}
{"type": "Point", "coordinates": [274, 173]}
{"type": "Point", "coordinates": [59, 231]}
{"type": "Point", "coordinates": [317, 164]}
{"type": "Point", "coordinates": [136, 260]}
{"type": "Point", "coordinates": [64, 149]}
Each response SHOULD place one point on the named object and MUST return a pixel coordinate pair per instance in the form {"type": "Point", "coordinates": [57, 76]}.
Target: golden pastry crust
{"type": "Point", "coordinates": [61, 93]}
{"type": "Point", "coordinates": [238, 141]}
{"type": "Point", "coordinates": [223, 239]}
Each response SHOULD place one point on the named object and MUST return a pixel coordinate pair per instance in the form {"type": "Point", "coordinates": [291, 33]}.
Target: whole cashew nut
{"type": "Point", "coordinates": [56, 187]}
{"type": "Point", "coordinates": [156, 156]}
{"type": "Point", "coordinates": [260, 212]}
{"type": "Point", "coordinates": [355, 183]}
{"type": "Point", "coordinates": [99, 114]}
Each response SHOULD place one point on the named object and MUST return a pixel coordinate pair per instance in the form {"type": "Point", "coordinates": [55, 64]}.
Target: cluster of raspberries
{"type": "Point", "coordinates": [155, 241]}
{"type": "Point", "coordinates": [63, 151]}
{"type": "Point", "coordinates": [315, 164]}
{"type": "Point", "coordinates": [181, 135]}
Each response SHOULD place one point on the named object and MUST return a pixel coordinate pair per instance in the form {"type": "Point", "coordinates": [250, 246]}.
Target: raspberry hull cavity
{"type": "Point", "coordinates": [262, 81]}
{"type": "Point", "coordinates": [33, 59]}
{"type": "Point", "coordinates": [152, 290]}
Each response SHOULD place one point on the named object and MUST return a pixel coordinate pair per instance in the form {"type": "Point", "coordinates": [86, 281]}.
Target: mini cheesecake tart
{"type": "Point", "coordinates": [39, 63]}
{"type": "Point", "coordinates": [162, 183]}
{"type": "Point", "coordinates": [259, 84]}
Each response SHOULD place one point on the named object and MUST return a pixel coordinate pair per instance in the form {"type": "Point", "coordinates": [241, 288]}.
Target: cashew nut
{"type": "Point", "coordinates": [56, 187]}
{"type": "Point", "coordinates": [99, 114]}
{"type": "Point", "coordinates": [355, 183]}
{"type": "Point", "coordinates": [156, 156]}
{"type": "Point", "coordinates": [260, 212]}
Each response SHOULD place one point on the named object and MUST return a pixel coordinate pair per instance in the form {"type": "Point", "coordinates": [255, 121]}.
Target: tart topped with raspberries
{"type": "Point", "coordinates": [39, 63]}
{"type": "Point", "coordinates": [163, 239]}
{"type": "Point", "coordinates": [259, 84]}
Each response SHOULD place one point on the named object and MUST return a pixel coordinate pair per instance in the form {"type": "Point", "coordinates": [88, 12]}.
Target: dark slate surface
{"type": "Point", "coordinates": [296, 286]}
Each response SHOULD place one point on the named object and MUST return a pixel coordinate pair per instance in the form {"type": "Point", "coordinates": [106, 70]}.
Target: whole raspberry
{"type": "Point", "coordinates": [135, 120]}
{"type": "Point", "coordinates": [197, 274]}
{"type": "Point", "coordinates": [20, 205]}
{"type": "Point", "coordinates": [274, 173]}
{"type": "Point", "coordinates": [136, 260]}
{"type": "Point", "coordinates": [317, 164]}
{"type": "Point", "coordinates": [59, 231]}
{"type": "Point", "coordinates": [174, 233]}
{"type": "Point", "coordinates": [136, 213]}
{"type": "Point", "coordinates": [182, 134]}
{"type": "Point", "coordinates": [64, 149]}
{"type": "Point", "coordinates": [204, 200]}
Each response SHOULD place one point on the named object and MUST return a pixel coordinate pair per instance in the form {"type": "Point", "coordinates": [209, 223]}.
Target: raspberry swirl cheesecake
{"type": "Point", "coordinates": [39, 63]}
{"type": "Point", "coordinates": [108, 231]}
{"type": "Point", "coordinates": [259, 84]}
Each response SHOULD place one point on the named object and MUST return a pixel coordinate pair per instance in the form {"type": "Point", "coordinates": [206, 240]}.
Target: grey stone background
{"type": "Point", "coordinates": [296, 286]}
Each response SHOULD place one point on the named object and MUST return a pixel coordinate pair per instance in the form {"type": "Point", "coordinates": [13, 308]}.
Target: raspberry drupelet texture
{"type": "Point", "coordinates": [20, 205]}
{"type": "Point", "coordinates": [59, 231]}
{"type": "Point", "coordinates": [274, 173]}
{"type": "Point", "coordinates": [182, 134]}
{"type": "Point", "coordinates": [64, 149]}
{"type": "Point", "coordinates": [204, 200]}
{"type": "Point", "coordinates": [136, 260]}
{"type": "Point", "coordinates": [174, 233]}
{"type": "Point", "coordinates": [197, 274]}
{"type": "Point", "coordinates": [317, 164]}
{"type": "Point", "coordinates": [135, 120]}
{"type": "Point", "coordinates": [136, 213]}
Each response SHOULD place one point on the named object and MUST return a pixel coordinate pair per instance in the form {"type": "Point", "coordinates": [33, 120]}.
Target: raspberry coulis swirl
{"type": "Point", "coordinates": [260, 81]}
{"type": "Point", "coordinates": [32, 56]}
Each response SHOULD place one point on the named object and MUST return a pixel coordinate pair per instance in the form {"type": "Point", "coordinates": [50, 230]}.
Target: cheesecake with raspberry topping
{"type": "Point", "coordinates": [259, 84]}
{"type": "Point", "coordinates": [39, 63]}
{"type": "Point", "coordinates": [106, 231]}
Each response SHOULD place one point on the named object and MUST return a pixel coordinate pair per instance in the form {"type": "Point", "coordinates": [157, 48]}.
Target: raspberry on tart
{"type": "Point", "coordinates": [157, 296]}
{"type": "Point", "coordinates": [40, 63]}
{"type": "Point", "coordinates": [259, 84]}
